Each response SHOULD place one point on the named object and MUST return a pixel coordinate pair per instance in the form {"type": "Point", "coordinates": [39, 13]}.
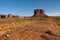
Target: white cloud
{"type": "Point", "coordinates": [53, 14]}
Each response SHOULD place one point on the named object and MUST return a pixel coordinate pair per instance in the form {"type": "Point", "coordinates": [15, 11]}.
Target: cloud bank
{"type": "Point", "coordinates": [53, 14]}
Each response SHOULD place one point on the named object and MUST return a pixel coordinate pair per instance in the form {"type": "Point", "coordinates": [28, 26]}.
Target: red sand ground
{"type": "Point", "coordinates": [46, 29]}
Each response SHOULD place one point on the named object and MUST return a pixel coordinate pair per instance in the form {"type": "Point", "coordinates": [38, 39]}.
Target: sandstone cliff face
{"type": "Point", "coordinates": [39, 13]}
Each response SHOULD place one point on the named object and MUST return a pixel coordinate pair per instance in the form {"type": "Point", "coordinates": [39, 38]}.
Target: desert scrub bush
{"type": "Point", "coordinates": [57, 20]}
{"type": "Point", "coordinates": [12, 20]}
{"type": "Point", "coordinates": [55, 25]}
{"type": "Point", "coordinates": [1, 22]}
{"type": "Point", "coordinates": [29, 27]}
{"type": "Point", "coordinates": [58, 24]}
{"type": "Point", "coordinates": [1, 29]}
{"type": "Point", "coordinates": [39, 19]}
{"type": "Point", "coordinates": [16, 28]}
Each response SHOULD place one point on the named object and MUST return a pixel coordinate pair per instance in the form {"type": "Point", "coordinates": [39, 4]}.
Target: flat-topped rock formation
{"type": "Point", "coordinates": [39, 13]}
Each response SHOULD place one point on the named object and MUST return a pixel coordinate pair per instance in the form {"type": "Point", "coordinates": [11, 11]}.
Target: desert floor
{"type": "Point", "coordinates": [30, 29]}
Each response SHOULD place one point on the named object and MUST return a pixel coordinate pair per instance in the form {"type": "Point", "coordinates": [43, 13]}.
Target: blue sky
{"type": "Point", "coordinates": [26, 7]}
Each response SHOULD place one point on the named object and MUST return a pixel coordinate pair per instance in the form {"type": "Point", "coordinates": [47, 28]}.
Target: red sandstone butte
{"type": "Point", "coordinates": [39, 13]}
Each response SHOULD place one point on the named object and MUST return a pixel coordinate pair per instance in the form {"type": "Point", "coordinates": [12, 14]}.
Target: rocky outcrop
{"type": "Point", "coordinates": [8, 16]}
{"type": "Point", "coordinates": [39, 13]}
{"type": "Point", "coordinates": [2, 16]}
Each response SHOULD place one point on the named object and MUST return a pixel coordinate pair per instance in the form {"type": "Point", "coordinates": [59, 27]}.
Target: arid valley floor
{"type": "Point", "coordinates": [30, 29]}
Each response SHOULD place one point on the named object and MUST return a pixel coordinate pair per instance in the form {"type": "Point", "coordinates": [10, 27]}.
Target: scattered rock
{"type": "Point", "coordinates": [49, 32]}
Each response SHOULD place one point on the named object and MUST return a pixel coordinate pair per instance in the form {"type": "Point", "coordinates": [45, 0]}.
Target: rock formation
{"type": "Point", "coordinates": [9, 16]}
{"type": "Point", "coordinates": [2, 16]}
{"type": "Point", "coordinates": [39, 13]}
